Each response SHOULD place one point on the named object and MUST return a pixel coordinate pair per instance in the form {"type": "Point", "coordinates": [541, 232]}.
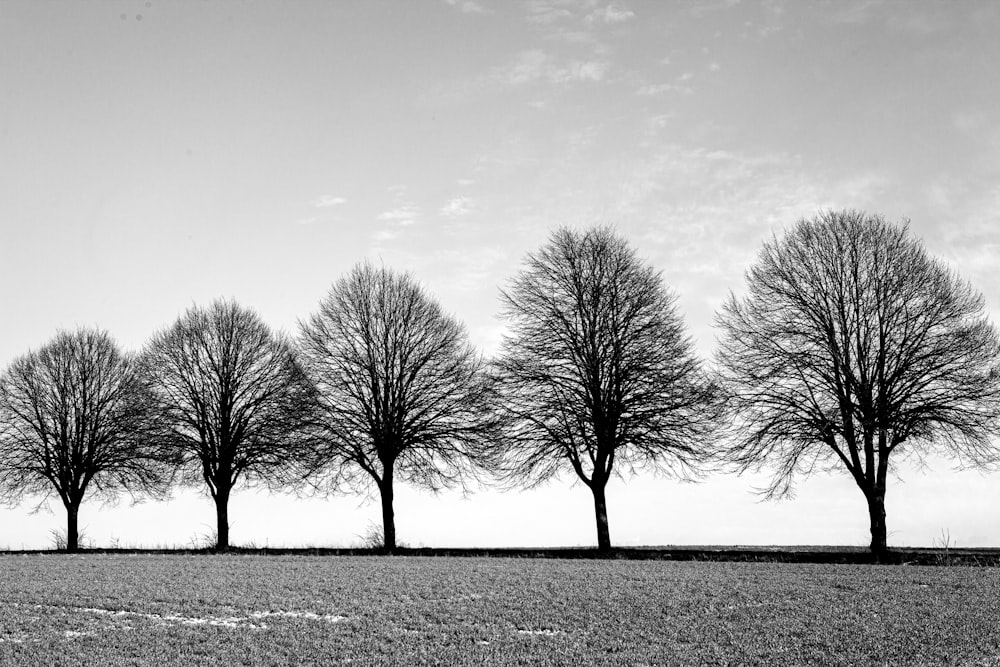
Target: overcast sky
{"type": "Point", "coordinates": [154, 155]}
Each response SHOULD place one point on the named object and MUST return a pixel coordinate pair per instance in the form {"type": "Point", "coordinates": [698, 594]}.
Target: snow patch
{"type": "Point", "coordinates": [250, 621]}
{"type": "Point", "coordinates": [312, 616]}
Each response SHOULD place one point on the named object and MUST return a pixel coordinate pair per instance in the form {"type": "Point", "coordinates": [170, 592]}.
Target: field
{"type": "Point", "coordinates": [251, 609]}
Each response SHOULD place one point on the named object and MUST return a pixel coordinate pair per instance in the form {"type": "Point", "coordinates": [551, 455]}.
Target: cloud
{"type": "Point", "coordinates": [549, 11]}
{"type": "Point", "coordinates": [457, 207]}
{"type": "Point", "coordinates": [307, 221]}
{"type": "Point", "coordinates": [467, 6]}
{"type": "Point", "coordinates": [610, 14]}
{"type": "Point", "coordinates": [325, 201]}
{"type": "Point", "coordinates": [535, 65]}
{"type": "Point", "coordinates": [959, 221]}
{"type": "Point", "coordinates": [679, 86]}
{"type": "Point", "coordinates": [383, 235]}
{"type": "Point", "coordinates": [656, 89]}
{"type": "Point", "coordinates": [466, 182]}
{"type": "Point", "coordinates": [401, 216]}
{"type": "Point", "coordinates": [529, 66]}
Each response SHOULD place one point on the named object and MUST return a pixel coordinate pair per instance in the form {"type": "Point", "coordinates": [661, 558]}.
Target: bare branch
{"type": "Point", "coordinates": [850, 344]}
{"type": "Point", "coordinates": [597, 374]}
{"type": "Point", "coordinates": [234, 404]}
{"type": "Point", "coordinates": [404, 392]}
{"type": "Point", "coordinates": [74, 421]}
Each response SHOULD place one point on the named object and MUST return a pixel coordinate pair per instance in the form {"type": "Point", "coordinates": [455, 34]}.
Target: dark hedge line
{"type": "Point", "coordinates": [820, 555]}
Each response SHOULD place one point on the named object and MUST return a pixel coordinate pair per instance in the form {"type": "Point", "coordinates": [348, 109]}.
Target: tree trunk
{"type": "Point", "coordinates": [222, 520]}
{"type": "Point", "coordinates": [876, 513]}
{"type": "Point", "coordinates": [72, 528]}
{"type": "Point", "coordinates": [601, 512]}
{"type": "Point", "coordinates": [388, 516]}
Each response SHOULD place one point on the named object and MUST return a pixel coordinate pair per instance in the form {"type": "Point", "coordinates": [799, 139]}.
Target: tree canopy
{"type": "Point", "coordinates": [233, 402]}
{"type": "Point", "coordinates": [405, 394]}
{"type": "Point", "coordinates": [852, 343]}
{"type": "Point", "coordinates": [74, 420]}
{"type": "Point", "coordinates": [597, 375]}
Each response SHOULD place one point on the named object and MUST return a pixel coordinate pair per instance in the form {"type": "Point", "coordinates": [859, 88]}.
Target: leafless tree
{"type": "Point", "coordinates": [850, 344]}
{"type": "Point", "coordinates": [73, 419]}
{"type": "Point", "coordinates": [597, 374]}
{"type": "Point", "coordinates": [405, 393]}
{"type": "Point", "coordinates": [233, 401]}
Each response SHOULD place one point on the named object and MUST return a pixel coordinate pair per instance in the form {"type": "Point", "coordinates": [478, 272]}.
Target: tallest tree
{"type": "Point", "coordinates": [852, 345]}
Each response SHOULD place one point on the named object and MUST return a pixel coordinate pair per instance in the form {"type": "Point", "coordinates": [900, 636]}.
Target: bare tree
{"type": "Point", "coordinates": [233, 402]}
{"type": "Point", "coordinates": [405, 393]}
{"type": "Point", "coordinates": [73, 416]}
{"type": "Point", "coordinates": [852, 343]}
{"type": "Point", "coordinates": [597, 374]}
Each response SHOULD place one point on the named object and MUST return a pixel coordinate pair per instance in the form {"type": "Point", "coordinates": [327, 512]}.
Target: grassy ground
{"type": "Point", "coordinates": [243, 609]}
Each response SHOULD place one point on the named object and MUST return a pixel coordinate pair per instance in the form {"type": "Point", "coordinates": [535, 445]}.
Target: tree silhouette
{"type": "Point", "coordinates": [597, 375]}
{"type": "Point", "coordinates": [850, 344]}
{"type": "Point", "coordinates": [233, 402]}
{"type": "Point", "coordinates": [404, 392]}
{"type": "Point", "coordinates": [73, 422]}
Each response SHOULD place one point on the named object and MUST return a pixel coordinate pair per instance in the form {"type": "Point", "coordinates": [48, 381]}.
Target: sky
{"type": "Point", "coordinates": [157, 155]}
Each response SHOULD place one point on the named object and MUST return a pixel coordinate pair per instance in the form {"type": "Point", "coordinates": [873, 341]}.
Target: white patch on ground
{"type": "Point", "coordinates": [169, 619]}
{"type": "Point", "coordinates": [233, 622]}
{"type": "Point", "coordinates": [543, 633]}
{"type": "Point", "coordinates": [329, 618]}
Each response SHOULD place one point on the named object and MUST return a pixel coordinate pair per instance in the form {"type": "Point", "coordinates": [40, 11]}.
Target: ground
{"type": "Point", "coordinates": [254, 609]}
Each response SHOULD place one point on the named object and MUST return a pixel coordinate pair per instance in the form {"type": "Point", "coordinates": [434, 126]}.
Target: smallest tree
{"type": "Point", "coordinates": [73, 420]}
{"type": "Point", "coordinates": [233, 405]}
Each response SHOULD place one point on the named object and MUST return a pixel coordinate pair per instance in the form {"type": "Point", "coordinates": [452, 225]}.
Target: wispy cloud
{"type": "Point", "coordinates": [610, 14]}
{"type": "Point", "coordinates": [680, 85]}
{"type": "Point", "coordinates": [958, 218]}
{"type": "Point", "coordinates": [326, 201]}
{"type": "Point", "coordinates": [383, 235]}
{"type": "Point", "coordinates": [536, 65]}
{"type": "Point", "coordinates": [467, 6]}
{"type": "Point", "coordinates": [403, 216]}
{"type": "Point", "coordinates": [457, 207]}
{"type": "Point", "coordinates": [549, 11]}
{"type": "Point", "coordinates": [655, 89]}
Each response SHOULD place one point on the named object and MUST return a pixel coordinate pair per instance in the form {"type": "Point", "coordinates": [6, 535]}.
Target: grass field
{"type": "Point", "coordinates": [240, 609]}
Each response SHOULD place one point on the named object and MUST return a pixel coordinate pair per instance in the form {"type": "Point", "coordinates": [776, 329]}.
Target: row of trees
{"type": "Point", "coordinates": [850, 343]}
